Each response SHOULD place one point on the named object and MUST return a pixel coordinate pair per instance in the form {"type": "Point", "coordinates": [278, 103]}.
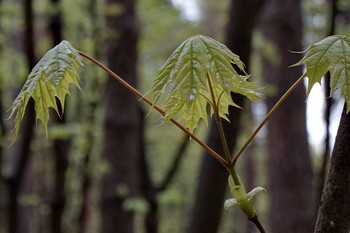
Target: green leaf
{"type": "Point", "coordinates": [49, 79]}
{"type": "Point", "coordinates": [330, 54]}
{"type": "Point", "coordinates": [182, 83]}
{"type": "Point", "coordinates": [230, 202]}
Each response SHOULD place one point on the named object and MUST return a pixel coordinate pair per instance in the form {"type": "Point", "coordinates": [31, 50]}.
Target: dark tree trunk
{"type": "Point", "coordinates": [3, 132]}
{"type": "Point", "coordinates": [289, 165]}
{"type": "Point", "coordinates": [60, 146]}
{"type": "Point", "coordinates": [334, 211]}
{"type": "Point", "coordinates": [208, 205]}
{"type": "Point", "coordinates": [86, 210]}
{"type": "Point", "coordinates": [121, 123]}
{"type": "Point", "coordinates": [20, 158]}
{"type": "Point", "coordinates": [20, 155]}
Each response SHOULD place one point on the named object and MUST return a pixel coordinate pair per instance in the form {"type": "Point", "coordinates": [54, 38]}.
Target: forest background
{"type": "Point", "coordinates": [108, 165]}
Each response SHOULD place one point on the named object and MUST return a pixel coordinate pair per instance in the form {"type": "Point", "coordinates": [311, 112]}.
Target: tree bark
{"type": "Point", "coordinates": [3, 132]}
{"type": "Point", "coordinates": [60, 146]}
{"type": "Point", "coordinates": [334, 211]}
{"type": "Point", "coordinates": [208, 204]}
{"type": "Point", "coordinates": [20, 155]}
{"type": "Point", "coordinates": [289, 165]}
{"type": "Point", "coordinates": [87, 208]}
{"type": "Point", "coordinates": [121, 123]}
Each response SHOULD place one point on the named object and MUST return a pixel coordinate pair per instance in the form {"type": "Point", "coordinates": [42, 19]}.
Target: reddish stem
{"type": "Point", "coordinates": [149, 102]}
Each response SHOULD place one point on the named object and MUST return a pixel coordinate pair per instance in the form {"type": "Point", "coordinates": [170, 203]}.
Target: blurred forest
{"type": "Point", "coordinates": [108, 165]}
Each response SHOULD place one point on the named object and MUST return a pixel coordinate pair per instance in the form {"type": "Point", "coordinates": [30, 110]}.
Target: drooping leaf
{"type": "Point", "coordinates": [182, 83]}
{"type": "Point", "coordinates": [48, 80]}
{"type": "Point", "coordinates": [330, 54]}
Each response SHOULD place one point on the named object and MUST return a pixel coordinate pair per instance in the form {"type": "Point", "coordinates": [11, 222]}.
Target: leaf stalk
{"type": "Point", "coordinates": [262, 123]}
{"type": "Point", "coordinates": [149, 102]}
{"type": "Point", "coordinates": [218, 121]}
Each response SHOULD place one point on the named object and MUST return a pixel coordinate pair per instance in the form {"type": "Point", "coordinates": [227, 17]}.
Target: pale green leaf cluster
{"type": "Point", "coordinates": [182, 83]}
{"type": "Point", "coordinates": [330, 54]}
{"type": "Point", "coordinates": [241, 198]}
{"type": "Point", "coordinates": [49, 79]}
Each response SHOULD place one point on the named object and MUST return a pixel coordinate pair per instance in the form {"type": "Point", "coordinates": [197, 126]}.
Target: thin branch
{"type": "Point", "coordinates": [262, 123]}
{"type": "Point", "coordinates": [149, 102]}
{"type": "Point", "coordinates": [174, 165]}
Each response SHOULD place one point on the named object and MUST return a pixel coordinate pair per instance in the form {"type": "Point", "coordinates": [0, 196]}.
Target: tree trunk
{"type": "Point", "coordinates": [20, 154]}
{"type": "Point", "coordinates": [87, 209]}
{"type": "Point", "coordinates": [208, 204]}
{"type": "Point", "coordinates": [289, 166]}
{"type": "Point", "coordinates": [3, 132]}
{"type": "Point", "coordinates": [334, 211]}
{"type": "Point", "coordinates": [2, 136]}
{"type": "Point", "coordinates": [60, 146]}
{"type": "Point", "coordinates": [121, 123]}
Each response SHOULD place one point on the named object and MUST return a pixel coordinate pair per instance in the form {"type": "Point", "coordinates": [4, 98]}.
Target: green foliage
{"type": "Point", "coordinates": [173, 29]}
{"type": "Point", "coordinates": [241, 198]}
{"type": "Point", "coordinates": [330, 54]}
{"type": "Point", "coordinates": [50, 78]}
{"type": "Point", "coordinates": [183, 85]}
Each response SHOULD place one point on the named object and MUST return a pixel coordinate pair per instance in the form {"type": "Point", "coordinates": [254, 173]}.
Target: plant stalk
{"type": "Point", "coordinates": [223, 139]}
{"type": "Point", "coordinates": [218, 121]}
{"type": "Point", "coordinates": [262, 123]}
{"type": "Point", "coordinates": [257, 223]}
{"type": "Point", "coordinates": [149, 102]}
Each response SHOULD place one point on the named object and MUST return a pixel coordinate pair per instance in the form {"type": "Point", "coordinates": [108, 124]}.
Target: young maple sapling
{"type": "Point", "coordinates": [199, 75]}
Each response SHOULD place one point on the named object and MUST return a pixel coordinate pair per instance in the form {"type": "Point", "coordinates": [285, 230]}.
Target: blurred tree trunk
{"type": "Point", "coordinates": [20, 154]}
{"type": "Point", "coordinates": [334, 211]}
{"type": "Point", "coordinates": [289, 165]}
{"type": "Point", "coordinates": [121, 123]}
{"type": "Point", "coordinates": [60, 146]}
{"type": "Point", "coordinates": [87, 206]}
{"type": "Point", "coordinates": [3, 132]}
{"type": "Point", "coordinates": [211, 189]}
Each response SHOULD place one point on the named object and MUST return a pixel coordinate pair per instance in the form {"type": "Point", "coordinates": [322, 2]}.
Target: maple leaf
{"type": "Point", "coordinates": [182, 83]}
{"type": "Point", "coordinates": [330, 54]}
{"type": "Point", "coordinates": [49, 79]}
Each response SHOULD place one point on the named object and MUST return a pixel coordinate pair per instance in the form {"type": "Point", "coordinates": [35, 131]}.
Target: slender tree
{"type": "Point", "coordinates": [121, 123]}
{"type": "Point", "coordinates": [21, 149]}
{"type": "Point", "coordinates": [289, 164]}
{"type": "Point", "coordinates": [87, 206]}
{"type": "Point", "coordinates": [60, 146]}
{"type": "Point", "coordinates": [3, 132]}
{"type": "Point", "coordinates": [206, 213]}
